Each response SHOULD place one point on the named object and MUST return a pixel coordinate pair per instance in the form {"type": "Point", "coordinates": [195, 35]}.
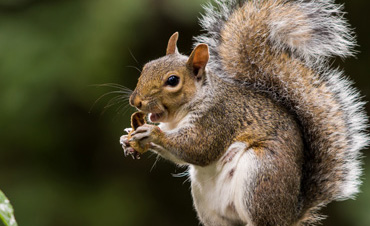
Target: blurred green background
{"type": "Point", "coordinates": [60, 160]}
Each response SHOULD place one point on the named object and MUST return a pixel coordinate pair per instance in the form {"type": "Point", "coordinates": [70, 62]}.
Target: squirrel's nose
{"type": "Point", "coordinates": [136, 101]}
{"type": "Point", "coordinates": [138, 104]}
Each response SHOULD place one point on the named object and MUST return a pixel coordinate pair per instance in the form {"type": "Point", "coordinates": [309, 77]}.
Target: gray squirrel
{"type": "Point", "coordinates": [270, 132]}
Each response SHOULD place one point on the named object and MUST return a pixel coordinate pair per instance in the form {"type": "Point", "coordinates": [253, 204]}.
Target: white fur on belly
{"type": "Point", "coordinates": [219, 190]}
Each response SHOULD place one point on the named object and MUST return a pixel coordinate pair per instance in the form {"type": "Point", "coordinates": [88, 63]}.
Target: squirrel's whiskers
{"type": "Point", "coordinates": [121, 95]}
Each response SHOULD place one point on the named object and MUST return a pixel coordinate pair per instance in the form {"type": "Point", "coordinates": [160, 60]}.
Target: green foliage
{"type": "Point", "coordinates": [6, 211]}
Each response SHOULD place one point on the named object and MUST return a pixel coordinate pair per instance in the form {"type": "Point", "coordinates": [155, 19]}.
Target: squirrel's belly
{"type": "Point", "coordinates": [219, 189]}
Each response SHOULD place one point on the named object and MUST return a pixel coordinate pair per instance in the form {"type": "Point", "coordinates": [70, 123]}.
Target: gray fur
{"type": "Point", "coordinates": [334, 166]}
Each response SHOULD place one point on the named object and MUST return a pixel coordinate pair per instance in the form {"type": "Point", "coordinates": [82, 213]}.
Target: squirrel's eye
{"type": "Point", "coordinates": [173, 80]}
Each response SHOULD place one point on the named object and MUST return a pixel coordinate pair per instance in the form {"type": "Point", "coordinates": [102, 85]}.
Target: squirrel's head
{"type": "Point", "coordinates": [166, 84]}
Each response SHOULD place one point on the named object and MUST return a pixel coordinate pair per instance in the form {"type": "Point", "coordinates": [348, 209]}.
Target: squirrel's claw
{"type": "Point", "coordinates": [123, 140]}
{"type": "Point", "coordinates": [141, 133]}
{"type": "Point", "coordinates": [131, 151]}
{"type": "Point", "coordinates": [128, 130]}
{"type": "Point", "coordinates": [127, 149]}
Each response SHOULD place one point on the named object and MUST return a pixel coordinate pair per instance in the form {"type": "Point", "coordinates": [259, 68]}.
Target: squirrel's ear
{"type": "Point", "coordinates": [198, 59]}
{"type": "Point", "coordinates": [172, 44]}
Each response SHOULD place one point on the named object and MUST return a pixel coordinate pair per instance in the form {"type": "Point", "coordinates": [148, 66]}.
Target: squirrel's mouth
{"type": "Point", "coordinates": [156, 117]}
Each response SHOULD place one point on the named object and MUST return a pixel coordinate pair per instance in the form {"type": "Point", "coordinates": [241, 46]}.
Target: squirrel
{"type": "Point", "coordinates": [270, 132]}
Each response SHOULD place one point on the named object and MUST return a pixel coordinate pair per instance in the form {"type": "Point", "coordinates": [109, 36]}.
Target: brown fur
{"type": "Point", "coordinates": [239, 113]}
{"type": "Point", "coordinates": [262, 89]}
{"type": "Point", "coordinates": [299, 83]}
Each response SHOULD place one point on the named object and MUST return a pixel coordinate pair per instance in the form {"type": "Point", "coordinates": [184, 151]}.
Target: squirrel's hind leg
{"type": "Point", "coordinates": [276, 191]}
{"type": "Point", "coordinates": [248, 186]}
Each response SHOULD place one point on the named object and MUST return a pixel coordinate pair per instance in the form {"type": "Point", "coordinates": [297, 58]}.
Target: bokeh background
{"type": "Point", "coordinates": [60, 160]}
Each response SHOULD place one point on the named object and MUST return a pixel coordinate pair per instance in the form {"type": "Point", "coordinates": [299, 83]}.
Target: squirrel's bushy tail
{"type": "Point", "coordinates": [283, 47]}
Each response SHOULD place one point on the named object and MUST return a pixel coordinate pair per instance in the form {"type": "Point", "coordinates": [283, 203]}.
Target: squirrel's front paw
{"type": "Point", "coordinates": [127, 149]}
{"type": "Point", "coordinates": [146, 134]}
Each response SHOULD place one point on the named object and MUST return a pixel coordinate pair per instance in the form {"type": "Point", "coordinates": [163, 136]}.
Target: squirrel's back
{"type": "Point", "coordinates": [282, 47]}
